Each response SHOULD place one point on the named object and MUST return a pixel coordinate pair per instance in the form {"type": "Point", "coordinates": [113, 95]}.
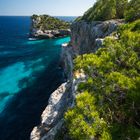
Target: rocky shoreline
{"type": "Point", "coordinates": [85, 38]}
{"type": "Point", "coordinates": [59, 101]}
{"type": "Point", "coordinates": [39, 34]}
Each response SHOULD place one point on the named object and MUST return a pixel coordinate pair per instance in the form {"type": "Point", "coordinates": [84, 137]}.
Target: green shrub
{"type": "Point", "coordinates": [105, 10]}
{"type": "Point", "coordinates": [111, 93]}
{"type": "Point", "coordinates": [47, 22]}
{"type": "Point", "coordinates": [121, 6]}
{"type": "Point", "coordinates": [102, 10]}
{"type": "Point", "coordinates": [83, 121]}
{"type": "Point", "coordinates": [112, 9]}
{"type": "Point", "coordinates": [133, 10]}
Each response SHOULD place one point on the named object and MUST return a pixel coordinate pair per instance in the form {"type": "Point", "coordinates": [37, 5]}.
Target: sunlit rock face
{"type": "Point", "coordinates": [51, 121]}
{"type": "Point", "coordinates": [88, 37]}
{"type": "Point", "coordinates": [59, 101]}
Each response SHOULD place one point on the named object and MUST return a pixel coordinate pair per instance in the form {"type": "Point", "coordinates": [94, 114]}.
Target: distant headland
{"type": "Point", "coordinates": [45, 26]}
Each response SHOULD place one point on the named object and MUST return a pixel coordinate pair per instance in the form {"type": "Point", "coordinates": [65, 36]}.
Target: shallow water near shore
{"type": "Point", "coordinates": [29, 73]}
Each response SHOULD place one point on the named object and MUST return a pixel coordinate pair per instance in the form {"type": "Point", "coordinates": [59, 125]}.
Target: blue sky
{"type": "Point", "coordinates": [51, 7]}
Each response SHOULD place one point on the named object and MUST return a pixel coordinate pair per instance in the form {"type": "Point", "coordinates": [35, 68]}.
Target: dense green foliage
{"type": "Point", "coordinates": [106, 9]}
{"type": "Point", "coordinates": [45, 22]}
{"type": "Point", "coordinates": [83, 120]}
{"type": "Point", "coordinates": [113, 9]}
{"type": "Point", "coordinates": [108, 104]}
{"type": "Point", "coordinates": [133, 10]}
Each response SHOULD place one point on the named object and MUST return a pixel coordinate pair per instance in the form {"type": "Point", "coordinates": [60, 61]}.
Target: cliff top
{"type": "Point", "coordinates": [46, 22]}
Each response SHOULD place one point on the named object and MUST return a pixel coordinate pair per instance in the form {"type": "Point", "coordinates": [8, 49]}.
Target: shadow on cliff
{"type": "Point", "coordinates": [23, 112]}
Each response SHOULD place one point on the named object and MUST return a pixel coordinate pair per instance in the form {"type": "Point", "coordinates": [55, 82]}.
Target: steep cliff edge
{"type": "Point", "coordinates": [100, 99]}
{"type": "Point", "coordinates": [88, 37]}
{"type": "Point", "coordinates": [85, 38]}
{"type": "Point", "coordinates": [59, 101]}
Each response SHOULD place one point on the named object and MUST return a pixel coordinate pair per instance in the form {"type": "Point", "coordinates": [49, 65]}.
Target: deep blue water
{"type": "Point", "coordinates": [29, 73]}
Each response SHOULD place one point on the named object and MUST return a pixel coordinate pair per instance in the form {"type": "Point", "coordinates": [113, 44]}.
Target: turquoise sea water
{"type": "Point", "coordinates": [29, 73]}
{"type": "Point", "coordinates": [13, 75]}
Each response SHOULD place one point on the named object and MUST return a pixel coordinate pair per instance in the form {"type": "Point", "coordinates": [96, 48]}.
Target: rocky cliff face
{"type": "Point", "coordinates": [59, 102]}
{"type": "Point", "coordinates": [88, 37]}
{"type": "Point", "coordinates": [85, 38]}
{"type": "Point", "coordinates": [52, 116]}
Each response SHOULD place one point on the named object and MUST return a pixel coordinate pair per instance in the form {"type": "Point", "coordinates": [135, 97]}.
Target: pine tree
{"type": "Point", "coordinates": [133, 10]}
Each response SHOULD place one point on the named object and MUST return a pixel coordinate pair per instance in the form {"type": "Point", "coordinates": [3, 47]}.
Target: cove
{"type": "Point", "coordinates": [29, 73]}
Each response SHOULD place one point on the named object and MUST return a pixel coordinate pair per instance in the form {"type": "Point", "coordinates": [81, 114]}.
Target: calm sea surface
{"type": "Point", "coordinates": [29, 73]}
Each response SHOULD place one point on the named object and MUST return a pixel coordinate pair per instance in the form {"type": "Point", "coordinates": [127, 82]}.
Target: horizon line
{"type": "Point", "coordinates": [41, 14]}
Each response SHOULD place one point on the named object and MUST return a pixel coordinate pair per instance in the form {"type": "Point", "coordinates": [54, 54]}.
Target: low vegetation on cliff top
{"type": "Point", "coordinates": [113, 9]}
{"type": "Point", "coordinates": [107, 105]}
{"type": "Point", "coordinates": [46, 22]}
